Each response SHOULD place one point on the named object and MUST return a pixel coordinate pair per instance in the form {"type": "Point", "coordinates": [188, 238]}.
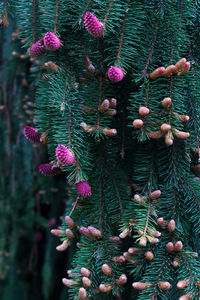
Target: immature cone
{"type": "Point", "coordinates": [37, 49]}
{"type": "Point", "coordinates": [155, 134]}
{"type": "Point", "coordinates": [157, 73]}
{"type": "Point", "coordinates": [85, 231]}
{"type": "Point", "coordinates": [31, 134]}
{"type": "Point", "coordinates": [83, 188]}
{"type": "Point", "coordinates": [56, 232]}
{"type": "Point", "coordinates": [69, 221]}
{"type": "Point", "coordinates": [141, 285]}
{"type": "Point", "coordinates": [111, 112]}
{"type": "Point", "coordinates": [52, 66]}
{"type": "Point", "coordinates": [106, 269]}
{"type": "Point", "coordinates": [175, 264]}
{"type": "Point", "coordinates": [149, 255]}
{"type": "Point", "coordinates": [138, 199]}
{"type": "Point", "coordinates": [86, 282]}
{"type": "Point", "coordinates": [64, 156]}
{"type": "Point", "coordinates": [94, 232]}
{"type": "Point", "coordinates": [51, 41]}
{"type": "Point", "coordinates": [152, 240]}
{"type": "Point", "coordinates": [49, 169]}
{"type": "Point", "coordinates": [104, 105]}
{"type": "Point", "coordinates": [155, 195]}
{"type": "Point", "coordinates": [63, 246]}
{"type": "Point", "coordinates": [168, 140]}
{"type": "Point", "coordinates": [182, 284]}
{"type": "Point", "coordinates": [69, 233]}
{"type": "Point", "coordinates": [82, 294]}
{"type": "Point", "coordinates": [171, 226]}
{"type": "Point", "coordinates": [184, 118]}
{"type": "Point", "coordinates": [143, 241]}
{"type": "Point", "coordinates": [143, 111]}
{"type": "Point", "coordinates": [186, 297]}
{"type": "Point", "coordinates": [113, 103]}
{"type": "Point", "coordinates": [154, 233]}
{"type": "Point", "coordinates": [68, 282]}
{"type": "Point", "coordinates": [166, 102]}
{"type": "Point", "coordinates": [93, 25]}
{"type": "Point", "coordinates": [165, 127]}
{"type": "Point", "coordinates": [115, 74]}
{"type": "Point", "coordinates": [105, 288]}
{"type": "Point", "coordinates": [124, 233]}
{"type": "Point", "coordinates": [160, 222]}
{"type": "Point", "coordinates": [170, 70]}
{"type": "Point", "coordinates": [170, 247]}
{"type": "Point", "coordinates": [178, 246]}
{"type": "Point", "coordinates": [181, 134]}
{"type": "Point", "coordinates": [180, 65]}
{"type": "Point", "coordinates": [138, 123]}
{"type": "Point", "coordinates": [109, 132]}
{"type": "Point", "coordinates": [186, 68]}
{"type": "Point", "coordinates": [122, 280]}
{"type": "Point", "coordinates": [85, 272]}
{"type": "Point", "coordinates": [118, 259]}
{"type": "Point", "coordinates": [164, 285]}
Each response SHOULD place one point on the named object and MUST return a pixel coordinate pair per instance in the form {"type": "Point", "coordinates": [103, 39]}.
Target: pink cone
{"type": "Point", "coordinates": [31, 134]}
{"type": "Point", "coordinates": [49, 169]}
{"type": "Point", "coordinates": [83, 188]}
{"type": "Point", "coordinates": [115, 74]}
{"type": "Point", "coordinates": [37, 49]}
{"type": "Point", "coordinates": [51, 41]}
{"type": "Point", "coordinates": [64, 156]}
{"type": "Point", "coordinates": [93, 25]}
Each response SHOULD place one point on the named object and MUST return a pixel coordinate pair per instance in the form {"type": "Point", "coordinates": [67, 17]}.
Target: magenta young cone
{"type": "Point", "coordinates": [51, 41]}
{"type": "Point", "coordinates": [31, 134]}
{"type": "Point", "coordinates": [83, 188]}
{"type": "Point", "coordinates": [115, 74]}
{"type": "Point", "coordinates": [93, 25]}
{"type": "Point", "coordinates": [49, 169]}
{"type": "Point", "coordinates": [64, 156]}
{"type": "Point", "coordinates": [37, 49]}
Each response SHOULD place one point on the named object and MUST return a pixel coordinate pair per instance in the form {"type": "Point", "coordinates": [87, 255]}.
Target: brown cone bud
{"type": "Point", "coordinates": [89, 66]}
{"type": "Point", "coordinates": [143, 111]}
{"type": "Point", "coordinates": [122, 280]}
{"type": "Point", "coordinates": [186, 68]}
{"type": "Point", "coordinates": [180, 65]}
{"type": "Point", "coordinates": [187, 296]}
{"type": "Point", "coordinates": [138, 123]}
{"type": "Point", "coordinates": [170, 70]}
{"type": "Point", "coordinates": [180, 134]}
{"type": "Point", "coordinates": [69, 233]}
{"type": "Point", "coordinates": [143, 241]}
{"type": "Point", "coordinates": [168, 140]}
{"type": "Point", "coordinates": [138, 199]}
{"type": "Point", "coordinates": [134, 250]}
{"type": "Point", "coordinates": [141, 285]}
{"type": "Point", "coordinates": [106, 269]}
{"type": "Point", "coordinates": [127, 256]}
{"type": "Point", "coordinates": [15, 54]}
{"type": "Point", "coordinates": [118, 259]}
{"type": "Point", "coordinates": [94, 232]}
{"type": "Point", "coordinates": [63, 246]}
{"type": "Point", "coordinates": [111, 112]}
{"type": "Point", "coordinates": [165, 127]}
{"type": "Point", "coordinates": [182, 284]}
{"type": "Point", "coordinates": [52, 66]}
{"type": "Point", "coordinates": [109, 132]}
{"type": "Point", "coordinates": [56, 232]}
{"type": "Point", "coordinates": [171, 226]}
{"type": "Point", "coordinates": [166, 102]}
{"type": "Point", "coordinates": [69, 221]}
{"type": "Point", "coordinates": [195, 169]}
{"type": "Point", "coordinates": [113, 103]}
{"type": "Point", "coordinates": [155, 134]}
{"type": "Point", "coordinates": [86, 282]}
{"type": "Point", "coordinates": [154, 233]}
{"type": "Point", "coordinates": [105, 288]}
{"type": "Point", "coordinates": [149, 255]}
{"type": "Point", "coordinates": [104, 105]}
{"type": "Point", "coordinates": [124, 233]}
{"type": "Point", "coordinates": [155, 195]}
{"type": "Point", "coordinates": [82, 294]}
{"type": "Point", "coordinates": [157, 73]}
{"type": "Point", "coordinates": [85, 272]}
{"type": "Point", "coordinates": [170, 247]}
{"type": "Point", "coordinates": [68, 282]}
{"type": "Point", "coordinates": [164, 285]}
{"type": "Point", "coordinates": [184, 118]}
{"type": "Point", "coordinates": [161, 222]}
{"type": "Point", "coordinates": [178, 246]}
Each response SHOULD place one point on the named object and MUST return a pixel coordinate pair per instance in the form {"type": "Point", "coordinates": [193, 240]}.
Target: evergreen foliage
{"type": "Point", "coordinates": [136, 142]}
